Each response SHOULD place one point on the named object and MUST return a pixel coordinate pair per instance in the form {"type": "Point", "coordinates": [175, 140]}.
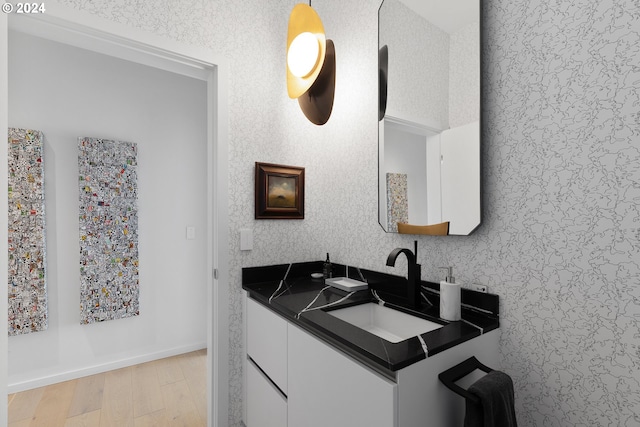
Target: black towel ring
{"type": "Point", "coordinates": [453, 374]}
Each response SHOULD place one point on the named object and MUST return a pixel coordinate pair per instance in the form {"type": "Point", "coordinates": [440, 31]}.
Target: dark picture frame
{"type": "Point", "coordinates": [279, 192]}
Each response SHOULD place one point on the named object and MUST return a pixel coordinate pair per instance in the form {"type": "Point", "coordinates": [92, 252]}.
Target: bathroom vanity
{"type": "Point", "coordinates": [308, 367]}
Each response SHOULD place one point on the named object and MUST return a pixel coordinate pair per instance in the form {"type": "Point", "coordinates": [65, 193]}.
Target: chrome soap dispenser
{"type": "Point", "coordinates": [450, 308]}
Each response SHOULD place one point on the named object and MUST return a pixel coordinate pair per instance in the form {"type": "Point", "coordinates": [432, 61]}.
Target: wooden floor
{"type": "Point", "coordinates": [165, 392]}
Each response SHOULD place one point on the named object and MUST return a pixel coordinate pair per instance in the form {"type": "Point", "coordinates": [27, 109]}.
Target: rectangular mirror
{"type": "Point", "coordinates": [429, 114]}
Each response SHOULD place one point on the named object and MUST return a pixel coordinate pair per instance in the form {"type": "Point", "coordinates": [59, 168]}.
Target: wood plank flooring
{"type": "Point", "coordinates": [165, 392]}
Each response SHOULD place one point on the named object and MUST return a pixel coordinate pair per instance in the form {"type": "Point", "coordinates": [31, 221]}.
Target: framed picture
{"type": "Point", "coordinates": [279, 191]}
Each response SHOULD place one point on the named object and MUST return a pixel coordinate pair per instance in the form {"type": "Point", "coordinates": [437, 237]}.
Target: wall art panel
{"type": "Point", "coordinates": [397, 201]}
{"type": "Point", "coordinates": [26, 233]}
{"type": "Point", "coordinates": [109, 286]}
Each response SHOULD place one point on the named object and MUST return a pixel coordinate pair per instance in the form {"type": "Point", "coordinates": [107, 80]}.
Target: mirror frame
{"type": "Point", "coordinates": [382, 107]}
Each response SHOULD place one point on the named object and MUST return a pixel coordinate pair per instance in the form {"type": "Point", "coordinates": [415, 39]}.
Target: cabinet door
{"type": "Point", "coordinates": [267, 342]}
{"type": "Point", "coordinates": [266, 406]}
{"type": "Point", "coordinates": [326, 388]}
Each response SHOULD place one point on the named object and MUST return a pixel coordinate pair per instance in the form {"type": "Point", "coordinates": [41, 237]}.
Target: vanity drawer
{"type": "Point", "coordinates": [266, 406]}
{"type": "Point", "coordinates": [267, 342]}
{"type": "Point", "coordinates": [329, 389]}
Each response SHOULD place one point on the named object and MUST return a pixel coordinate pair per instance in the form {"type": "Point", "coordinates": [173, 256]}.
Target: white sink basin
{"type": "Point", "coordinates": [387, 323]}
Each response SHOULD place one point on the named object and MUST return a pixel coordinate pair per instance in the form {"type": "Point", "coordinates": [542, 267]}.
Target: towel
{"type": "Point", "coordinates": [496, 407]}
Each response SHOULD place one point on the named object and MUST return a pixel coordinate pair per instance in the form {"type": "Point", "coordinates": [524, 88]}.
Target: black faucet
{"type": "Point", "coordinates": [413, 276]}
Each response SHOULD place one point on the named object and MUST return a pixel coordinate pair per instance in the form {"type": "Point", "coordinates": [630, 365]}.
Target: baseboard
{"type": "Point", "coordinates": [97, 369]}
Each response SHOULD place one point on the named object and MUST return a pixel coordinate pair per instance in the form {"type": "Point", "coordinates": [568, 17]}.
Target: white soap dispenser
{"type": "Point", "coordinates": [450, 308]}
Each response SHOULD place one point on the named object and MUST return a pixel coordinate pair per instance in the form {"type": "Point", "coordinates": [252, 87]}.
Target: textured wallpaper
{"type": "Point", "coordinates": [560, 238]}
{"type": "Point", "coordinates": [418, 65]}
{"type": "Point", "coordinates": [464, 75]}
{"type": "Point", "coordinates": [562, 233]}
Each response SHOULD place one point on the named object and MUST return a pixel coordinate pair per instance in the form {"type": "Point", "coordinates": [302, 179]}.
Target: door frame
{"type": "Point", "coordinates": [80, 29]}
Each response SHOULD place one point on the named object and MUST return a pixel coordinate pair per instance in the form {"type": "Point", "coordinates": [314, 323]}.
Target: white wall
{"type": "Point", "coordinates": [460, 177]}
{"type": "Point", "coordinates": [434, 180]}
{"type": "Point", "coordinates": [66, 93]}
{"type": "Point", "coordinates": [406, 153]}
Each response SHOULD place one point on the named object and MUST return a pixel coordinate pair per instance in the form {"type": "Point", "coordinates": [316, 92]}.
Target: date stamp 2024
{"type": "Point", "coordinates": [23, 8]}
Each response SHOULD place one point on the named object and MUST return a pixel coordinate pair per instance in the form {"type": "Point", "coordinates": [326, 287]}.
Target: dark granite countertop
{"type": "Point", "coordinates": [289, 290]}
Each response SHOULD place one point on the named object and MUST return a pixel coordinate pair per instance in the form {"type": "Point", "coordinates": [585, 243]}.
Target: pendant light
{"type": "Point", "coordinates": [310, 64]}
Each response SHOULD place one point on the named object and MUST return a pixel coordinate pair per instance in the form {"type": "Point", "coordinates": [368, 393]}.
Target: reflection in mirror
{"type": "Point", "coordinates": [429, 137]}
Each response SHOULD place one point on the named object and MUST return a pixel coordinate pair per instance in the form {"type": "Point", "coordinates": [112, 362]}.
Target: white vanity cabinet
{"type": "Point", "coordinates": [295, 379]}
{"type": "Point", "coordinates": [266, 406]}
{"type": "Point", "coordinates": [327, 388]}
{"type": "Point", "coordinates": [266, 368]}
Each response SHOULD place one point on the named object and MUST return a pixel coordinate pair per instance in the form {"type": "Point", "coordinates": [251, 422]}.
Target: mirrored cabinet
{"type": "Point", "coordinates": [429, 128]}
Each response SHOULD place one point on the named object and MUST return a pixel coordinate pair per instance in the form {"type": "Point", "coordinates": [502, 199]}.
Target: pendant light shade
{"type": "Point", "coordinates": [317, 102]}
{"type": "Point", "coordinates": [311, 64]}
{"type": "Point", "coordinates": [306, 47]}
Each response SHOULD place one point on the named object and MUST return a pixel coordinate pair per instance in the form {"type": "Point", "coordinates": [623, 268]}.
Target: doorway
{"type": "Point", "coordinates": [104, 38]}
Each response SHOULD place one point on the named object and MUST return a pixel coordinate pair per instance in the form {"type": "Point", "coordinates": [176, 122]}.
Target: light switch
{"type": "Point", "coordinates": [191, 232]}
{"type": "Point", "coordinates": [246, 239]}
